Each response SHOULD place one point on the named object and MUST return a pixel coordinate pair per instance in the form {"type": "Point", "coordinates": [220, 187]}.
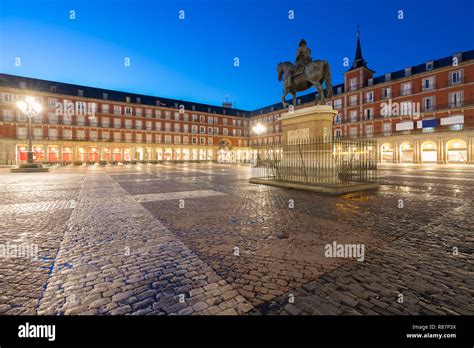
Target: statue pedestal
{"type": "Point", "coordinates": [313, 122]}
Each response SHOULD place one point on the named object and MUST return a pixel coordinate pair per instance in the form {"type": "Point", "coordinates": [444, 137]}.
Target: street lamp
{"type": "Point", "coordinates": [30, 108]}
{"type": "Point", "coordinates": [258, 129]}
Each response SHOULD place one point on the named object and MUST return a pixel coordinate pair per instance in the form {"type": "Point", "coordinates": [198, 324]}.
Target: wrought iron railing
{"type": "Point", "coordinates": [333, 163]}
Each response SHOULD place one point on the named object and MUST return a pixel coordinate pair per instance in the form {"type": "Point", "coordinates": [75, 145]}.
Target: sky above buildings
{"type": "Point", "coordinates": [194, 58]}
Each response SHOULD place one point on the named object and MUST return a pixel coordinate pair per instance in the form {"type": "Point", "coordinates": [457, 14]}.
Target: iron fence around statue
{"type": "Point", "coordinates": [321, 162]}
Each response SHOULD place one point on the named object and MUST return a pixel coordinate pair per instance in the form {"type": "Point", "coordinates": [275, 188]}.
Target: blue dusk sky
{"type": "Point", "coordinates": [193, 59]}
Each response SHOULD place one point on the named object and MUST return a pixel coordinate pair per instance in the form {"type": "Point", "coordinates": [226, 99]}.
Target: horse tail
{"type": "Point", "coordinates": [327, 78]}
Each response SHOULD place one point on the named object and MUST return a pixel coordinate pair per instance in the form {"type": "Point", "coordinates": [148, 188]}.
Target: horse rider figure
{"type": "Point", "coordinates": [303, 57]}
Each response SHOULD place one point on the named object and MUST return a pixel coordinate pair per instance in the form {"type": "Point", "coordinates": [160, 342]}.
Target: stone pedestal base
{"type": "Point", "coordinates": [310, 123]}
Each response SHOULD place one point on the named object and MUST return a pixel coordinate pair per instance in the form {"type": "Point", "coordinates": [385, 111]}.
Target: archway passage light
{"type": "Point", "coordinates": [258, 129]}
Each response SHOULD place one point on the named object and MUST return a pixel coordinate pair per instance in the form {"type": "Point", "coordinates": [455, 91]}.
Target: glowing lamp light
{"type": "Point", "coordinates": [259, 128]}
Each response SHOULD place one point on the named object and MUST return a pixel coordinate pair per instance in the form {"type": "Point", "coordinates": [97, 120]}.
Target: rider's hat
{"type": "Point", "coordinates": [303, 41]}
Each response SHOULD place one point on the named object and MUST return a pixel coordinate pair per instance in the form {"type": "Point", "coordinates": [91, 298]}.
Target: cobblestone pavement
{"type": "Point", "coordinates": [199, 239]}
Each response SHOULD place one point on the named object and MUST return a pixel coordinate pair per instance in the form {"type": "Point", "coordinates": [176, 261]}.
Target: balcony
{"type": "Point", "coordinates": [455, 81]}
{"type": "Point", "coordinates": [428, 87]}
{"type": "Point", "coordinates": [406, 91]}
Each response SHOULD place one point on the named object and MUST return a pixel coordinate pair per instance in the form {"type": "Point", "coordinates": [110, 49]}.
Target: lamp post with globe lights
{"type": "Point", "coordinates": [30, 108]}
{"type": "Point", "coordinates": [258, 129]}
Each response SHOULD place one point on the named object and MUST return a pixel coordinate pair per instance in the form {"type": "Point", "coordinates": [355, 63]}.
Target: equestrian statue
{"type": "Point", "coordinates": [305, 74]}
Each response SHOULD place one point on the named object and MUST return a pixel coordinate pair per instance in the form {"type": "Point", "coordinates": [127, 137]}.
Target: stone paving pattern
{"type": "Point", "coordinates": [117, 240]}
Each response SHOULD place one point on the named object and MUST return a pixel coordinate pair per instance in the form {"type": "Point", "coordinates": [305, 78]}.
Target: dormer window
{"type": "Point", "coordinates": [22, 84]}
{"type": "Point", "coordinates": [457, 58]}
{"type": "Point", "coordinates": [429, 65]}
{"type": "Point", "coordinates": [52, 89]}
{"type": "Point", "coordinates": [339, 90]}
{"type": "Point", "coordinates": [370, 82]}
{"type": "Point", "coordinates": [139, 100]}
{"type": "Point", "coordinates": [80, 92]}
{"type": "Point", "coordinates": [105, 96]}
{"type": "Point", "coordinates": [407, 71]}
{"type": "Point", "coordinates": [127, 99]}
{"type": "Point", "coordinates": [388, 77]}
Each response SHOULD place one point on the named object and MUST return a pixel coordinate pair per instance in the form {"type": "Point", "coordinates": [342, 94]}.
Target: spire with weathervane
{"type": "Point", "coordinates": [358, 59]}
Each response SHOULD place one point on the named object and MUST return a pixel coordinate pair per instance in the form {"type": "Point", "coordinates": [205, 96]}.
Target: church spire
{"type": "Point", "coordinates": [358, 59]}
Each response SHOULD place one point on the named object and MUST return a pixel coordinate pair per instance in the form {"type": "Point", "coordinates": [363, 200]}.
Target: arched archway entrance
{"type": "Point", "coordinates": [386, 153]}
{"type": "Point", "coordinates": [225, 153]}
{"type": "Point", "coordinates": [456, 151]}
{"type": "Point", "coordinates": [429, 153]}
{"type": "Point", "coordinates": [407, 152]}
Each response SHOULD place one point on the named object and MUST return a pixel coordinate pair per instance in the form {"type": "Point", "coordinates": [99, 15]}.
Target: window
{"type": "Point", "coordinates": [176, 127]}
{"type": "Point", "coordinates": [194, 129]}
{"type": "Point", "coordinates": [117, 110]}
{"type": "Point", "coordinates": [139, 124]}
{"type": "Point", "coordinates": [105, 96]}
{"type": "Point", "coordinates": [369, 97]}
{"type": "Point", "coordinates": [21, 132]}
{"type": "Point", "coordinates": [210, 130]}
{"type": "Point", "coordinates": [117, 123]}
{"type": "Point", "coordinates": [386, 128]}
{"type": "Point", "coordinates": [149, 113]}
{"type": "Point", "coordinates": [149, 125]}
{"type": "Point", "coordinates": [186, 117]}
{"type": "Point", "coordinates": [353, 84]}
{"type": "Point", "coordinates": [128, 124]}
{"type": "Point", "coordinates": [93, 135]}
{"type": "Point", "coordinates": [353, 132]}
{"type": "Point", "coordinates": [202, 118]}
{"type": "Point", "coordinates": [80, 120]}
{"type": "Point", "coordinates": [429, 65]}
{"type": "Point", "coordinates": [353, 116]}
{"type": "Point", "coordinates": [80, 92]}
{"type": "Point", "coordinates": [185, 139]}
{"type": "Point", "coordinates": [52, 118]}
{"type": "Point", "coordinates": [194, 117]}
{"type": "Point", "coordinates": [138, 137]}
{"type": "Point", "coordinates": [210, 141]}
{"type": "Point", "coordinates": [67, 134]}
{"type": "Point", "coordinates": [428, 104]}
{"type": "Point", "coordinates": [168, 127]}
{"type": "Point", "coordinates": [167, 115]}
{"type": "Point", "coordinates": [216, 131]}
{"type": "Point", "coordinates": [176, 116]}
{"type": "Point", "coordinates": [386, 93]}
{"type": "Point", "coordinates": [117, 136]}
{"type": "Point", "coordinates": [455, 77]}
{"type": "Point", "coordinates": [128, 110]}
{"type": "Point", "coordinates": [139, 112]}
{"type": "Point", "coordinates": [81, 134]}
{"type": "Point", "coordinates": [224, 121]}
{"type": "Point", "coordinates": [105, 108]}
{"type": "Point", "coordinates": [406, 108]}
{"type": "Point", "coordinates": [105, 122]}
{"type": "Point", "coordinates": [225, 131]}
{"type": "Point", "coordinates": [369, 114]}
{"type": "Point", "coordinates": [202, 141]}
{"type": "Point", "coordinates": [405, 88]}
{"type": "Point", "coordinates": [428, 83]}
{"type": "Point", "coordinates": [52, 103]}
{"type": "Point", "coordinates": [455, 99]}
{"type": "Point", "coordinates": [168, 139]}
{"type": "Point", "coordinates": [338, 133]}
{"type": "Point", "coordinates": [53, 133]}
{"type": "Point", "coordinates": [7, 98]}
{"type": "Point", "coordinates": [158, 113]}
{"type": "Point", "coordinates": [7, 115]}
{"type": "Point", "coordinates": [177, 139]}
{"type": "Point", "coordinates": [353, 100]}
{"type": "Point", "coordinates": [148, 138]}
{"type": "Point", "coordinates": [369, 131]}
{"type": "Point", "coordinates": [202, 129]}
{"type": "Point", "coordinates": [186, 128]}
{"type": "Point", "coordinates": [194, 140]}
{"type": "Point", "coordinates": [158, 126]}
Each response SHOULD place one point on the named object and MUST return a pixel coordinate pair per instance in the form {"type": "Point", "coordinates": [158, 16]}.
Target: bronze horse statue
{"type": "Point", "coordinates": [314, 74]}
